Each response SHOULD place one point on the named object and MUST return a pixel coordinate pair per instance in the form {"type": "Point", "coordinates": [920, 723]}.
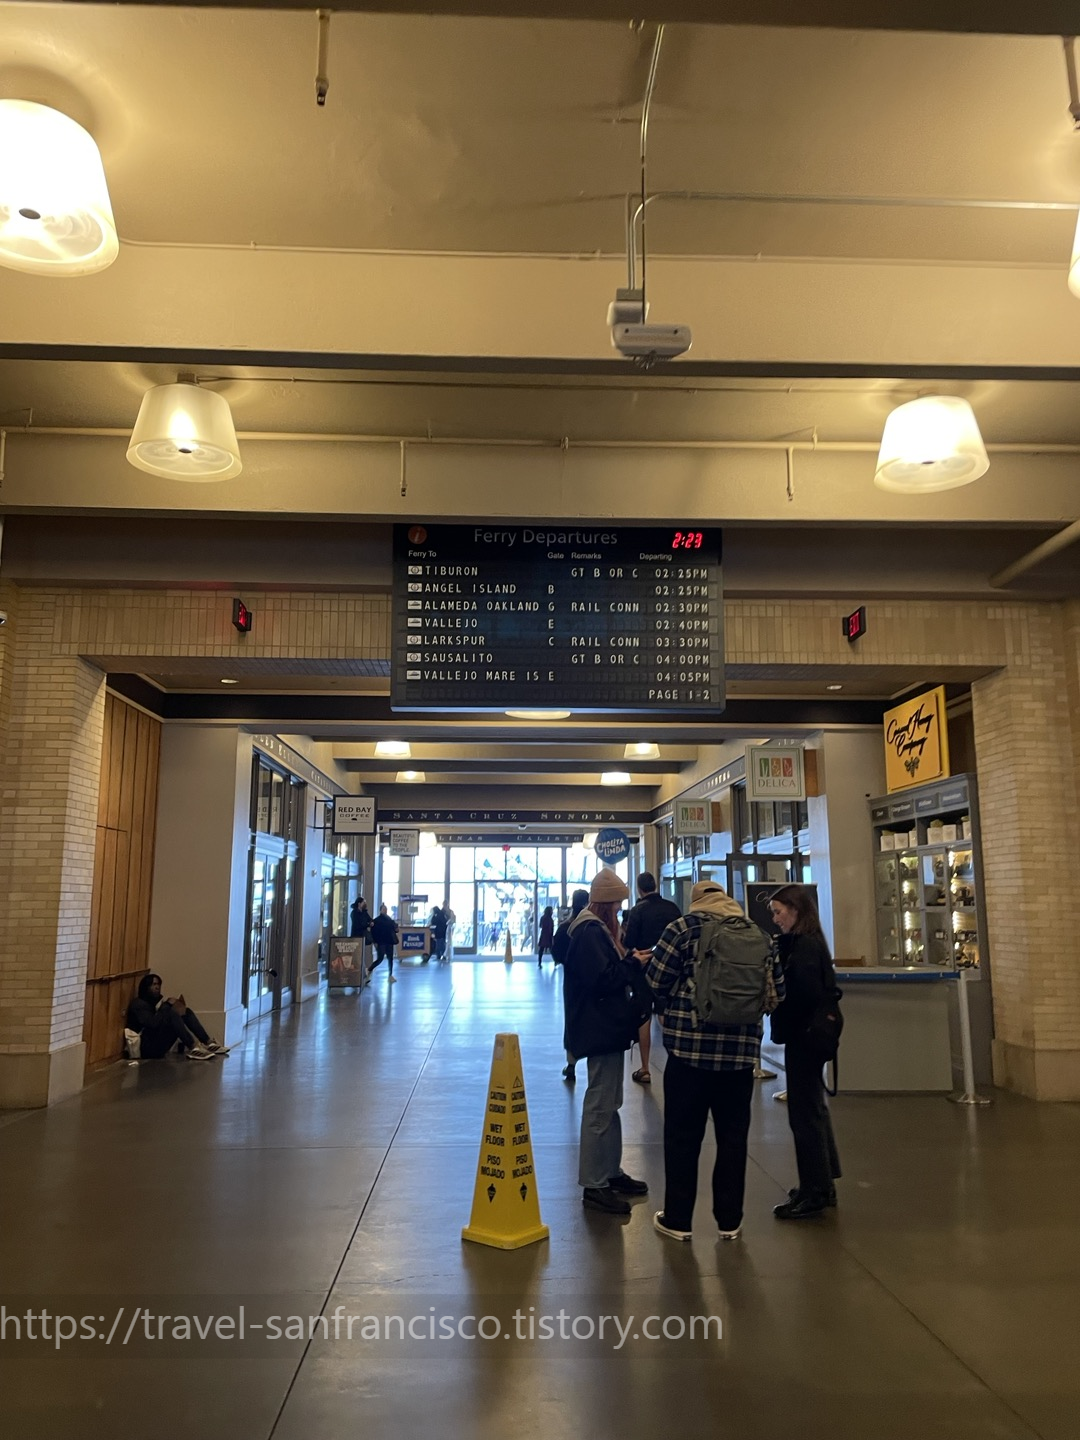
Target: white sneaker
{"type": "Point", "coordinates": [199, 1052]}
{"type": "Point", "coordinates": [658, 1224]}
{"type": "Point", "coordinates": [730, 1234]}
{"type": "Point", "coordinates": [780, 1095]}
{"type": "Point", "coordinates": [216, 1049]}
{"type": "Point", "coordinates": [393, 979]}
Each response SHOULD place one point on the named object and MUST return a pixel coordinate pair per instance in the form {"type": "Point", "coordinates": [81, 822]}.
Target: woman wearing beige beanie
{"type": "Point", "coordinates": [604, 1010]}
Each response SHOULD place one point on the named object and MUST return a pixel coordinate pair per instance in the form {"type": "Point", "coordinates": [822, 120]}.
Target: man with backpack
{"type": "Point", "coordinates": [714, 975]}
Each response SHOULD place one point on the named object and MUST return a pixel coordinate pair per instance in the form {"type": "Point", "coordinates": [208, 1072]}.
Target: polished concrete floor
{"type": "Point", "coordinates": [330, 1161]}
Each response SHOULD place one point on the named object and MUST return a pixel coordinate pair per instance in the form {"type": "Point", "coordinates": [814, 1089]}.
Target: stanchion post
{"type": "Point", "coordinates": [970, 1095]}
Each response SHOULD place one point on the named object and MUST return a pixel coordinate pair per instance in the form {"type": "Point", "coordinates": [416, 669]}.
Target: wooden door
{"type": "Point", "coordinates": [123, 875]}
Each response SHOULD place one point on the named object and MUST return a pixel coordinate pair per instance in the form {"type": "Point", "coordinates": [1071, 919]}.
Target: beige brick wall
{"type": "Point", "coordinates": [50, 754]}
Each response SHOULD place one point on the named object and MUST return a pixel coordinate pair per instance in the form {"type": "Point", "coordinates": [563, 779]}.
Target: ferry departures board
{"type": "Point", "coordinates": [586, 617]}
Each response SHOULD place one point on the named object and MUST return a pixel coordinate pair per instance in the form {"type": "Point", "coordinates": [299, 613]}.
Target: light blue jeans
{"type": "Point", "coordinates": [600, 1155]}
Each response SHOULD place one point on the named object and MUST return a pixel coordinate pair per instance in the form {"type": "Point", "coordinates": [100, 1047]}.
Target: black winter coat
{"type": "Point", "coordinates": [648, 920]}
{"type": "Point", "coordinates": [594, 991]}
{"type": "Point", "coordinates": [809, 978]}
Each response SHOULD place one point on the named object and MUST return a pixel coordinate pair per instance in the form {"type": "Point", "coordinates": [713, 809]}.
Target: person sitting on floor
{"type": "Point", "coordinates": [161, 1024]}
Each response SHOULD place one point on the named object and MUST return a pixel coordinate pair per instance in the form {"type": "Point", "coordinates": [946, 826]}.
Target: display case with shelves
{"type": "Point", "coordinates": [926, 877]}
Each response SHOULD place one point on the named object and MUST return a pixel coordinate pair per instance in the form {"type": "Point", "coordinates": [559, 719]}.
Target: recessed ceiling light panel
{"type": "Point", "coordinates": [615, 777]}
{"type": "Point", "coordinates": [641, 750]}
{"type": "Point", "coordinates": [539, 714]}
{"type": "Point", "coordinates": [393, 749]}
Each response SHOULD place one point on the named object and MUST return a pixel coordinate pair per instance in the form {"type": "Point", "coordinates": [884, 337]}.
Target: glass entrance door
{"type": "Point", "coordinates": [503, 905]}
{"type": "Point", "coordinates": [271, 949]}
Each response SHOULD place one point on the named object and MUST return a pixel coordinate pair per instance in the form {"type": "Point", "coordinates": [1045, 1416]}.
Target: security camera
{"type": "Point", "coordinates": [523, 827]}
{"type": "Point", "coordinates": [3, 617]}
{"type": "Point", "coordinates": [651, 342]}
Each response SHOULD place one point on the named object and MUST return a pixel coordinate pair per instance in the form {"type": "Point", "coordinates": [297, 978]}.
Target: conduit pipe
{"type": "Point", "coordinates": [854, 447]}
{"type": "Point", "coordinates": [1060, 541]}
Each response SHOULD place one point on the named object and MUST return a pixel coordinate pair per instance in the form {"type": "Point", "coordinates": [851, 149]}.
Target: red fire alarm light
{"type": "Point", "coordinates": [241, 616]}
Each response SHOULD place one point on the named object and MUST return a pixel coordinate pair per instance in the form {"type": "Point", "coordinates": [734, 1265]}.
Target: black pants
{"type": "Point", "coordinates": [169, 1027]}
{"type": "Point", "coordinates": [385, 952]}
{"type": "Point", "coordinates": [811, 1128]}
{"type": "Point", "coordinates": [690, 1095]}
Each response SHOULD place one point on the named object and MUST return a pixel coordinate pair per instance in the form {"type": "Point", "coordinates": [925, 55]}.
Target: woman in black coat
{"type": "Point", "coordinates": [810, 980]}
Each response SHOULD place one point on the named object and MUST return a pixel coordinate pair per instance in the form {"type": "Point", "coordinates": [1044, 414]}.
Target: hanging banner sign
{"type": "Point", "coordinates": [354, 815]}
{"type": "Point", "coordinates": [404, 842]}
{"type": "Point", "coordinates": [775, 772]}
{"type": "Point", "coordinates": [612, 846]}
{"type": "Point", "coordinates": [692, 817]}
{"type": "Point", "coordinates": [916, 741]}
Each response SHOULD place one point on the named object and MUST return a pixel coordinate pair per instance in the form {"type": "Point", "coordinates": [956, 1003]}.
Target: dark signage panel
{"type": "Point", "coordinates": [589, 616]}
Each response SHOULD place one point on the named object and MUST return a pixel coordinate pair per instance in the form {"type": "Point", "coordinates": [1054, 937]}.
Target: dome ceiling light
{"type": "Point", "coordinates": [615, 777]}
{"type": "Point", "coordinates": [393, 749]}
{"type": "Point", "coordinates": [932, 443]}
{"type": "Point", "coordinates": [411, 777]}
{"type": "Point", "coordinates": [56, 218]}
{"type": "Point", "coordinates": [185, 433]}
{"type": "Point", "coordinates": [641, 750]}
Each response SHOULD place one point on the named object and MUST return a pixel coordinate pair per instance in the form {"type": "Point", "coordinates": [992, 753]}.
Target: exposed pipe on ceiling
{"type": "Point", "coordinates": [1023, 447]}
{"type": "Point", "coordinates": [1061, 541]}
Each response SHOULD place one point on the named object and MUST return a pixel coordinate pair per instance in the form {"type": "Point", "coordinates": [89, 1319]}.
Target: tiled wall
{"type": "Point", "coordinates": [1027, 722]}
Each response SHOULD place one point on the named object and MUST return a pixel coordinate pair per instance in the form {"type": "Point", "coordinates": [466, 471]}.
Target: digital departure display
{"type": "Point", "coordinates": [585, 617]}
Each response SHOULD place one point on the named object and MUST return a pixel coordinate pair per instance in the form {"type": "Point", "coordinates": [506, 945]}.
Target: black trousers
{"type": "Point", "coordinates": [811, 1127]}
{"type": "Point", "coordinates": [690, 1096]}
{"type": "Point", "coordinates": [169, 1027]}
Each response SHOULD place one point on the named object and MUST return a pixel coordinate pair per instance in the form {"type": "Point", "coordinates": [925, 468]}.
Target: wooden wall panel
{"type": "Point", "coordinates": [123, 874]}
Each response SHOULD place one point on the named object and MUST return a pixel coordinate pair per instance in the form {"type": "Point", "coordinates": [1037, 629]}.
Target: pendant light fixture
{"type": "Point", "coordinates": [185, 433]}
{"type": "Point", "coordinates": [932, 443]}
{"type": "Point", "coordinates": [55, 214]}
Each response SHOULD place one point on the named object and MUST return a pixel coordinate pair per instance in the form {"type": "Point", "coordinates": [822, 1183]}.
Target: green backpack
{"type": "Point", "coordinates": [730, 971]}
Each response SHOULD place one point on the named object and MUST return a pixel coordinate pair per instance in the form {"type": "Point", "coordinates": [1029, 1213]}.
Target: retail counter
{"type": "Point", "coordinates": [896, 1029]}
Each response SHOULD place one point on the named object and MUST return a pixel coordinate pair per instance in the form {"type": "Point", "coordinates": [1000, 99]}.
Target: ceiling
{"type": "Point", "coordinates": [402, 296]}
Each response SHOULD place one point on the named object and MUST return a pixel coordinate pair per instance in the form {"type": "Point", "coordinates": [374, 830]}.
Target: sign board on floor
{"type": "Point", "coordinates": [414, 940]}
{"type": "Point", "coordinates": [346, 967]}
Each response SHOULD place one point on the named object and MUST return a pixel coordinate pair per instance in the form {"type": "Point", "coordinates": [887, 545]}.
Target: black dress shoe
{"type": "Point", "coordinates": [801, 1209]}
{"type": "Point", "coordinates": [830, 1198]}
{"type": "Point", "coordinates": [606, 1200]}
{"type": "Point", "coordinates": [626, 1185]}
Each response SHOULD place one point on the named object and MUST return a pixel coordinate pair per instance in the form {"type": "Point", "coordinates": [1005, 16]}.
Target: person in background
{"type": "Point", "coordinates": [161, 1024]}
{"type": "Point", "coordinates": [560, 946]}
{"type": "Point", "coordinates": [384, 935]}
{"type": "Point", "coordinates": [646, 922]}
{"type": "Point", "coordinates": [545, 935]}
{"type": "Point", "coordinates": [438, 931]}
{"type": "Point", "coordinates": [599, 1027]}
{"type": "Point", "coordinates": [810, 977]}
{"type": "Point", "coordinates": [359, 919]}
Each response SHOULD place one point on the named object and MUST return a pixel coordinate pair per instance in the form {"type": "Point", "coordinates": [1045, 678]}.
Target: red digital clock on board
{"type": "Point", "coordinates": [687, 540]}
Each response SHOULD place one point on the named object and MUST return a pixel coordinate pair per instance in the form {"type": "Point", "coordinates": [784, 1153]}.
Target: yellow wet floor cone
{"type": "Point", "coordinates": [509, 956]}
{"type": "Point", "coordinates": [506, 1207]}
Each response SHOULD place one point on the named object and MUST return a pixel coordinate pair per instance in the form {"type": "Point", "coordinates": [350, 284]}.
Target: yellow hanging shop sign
{"type": "Point", "coordinates": [916, 741]}
{"type": "Point", "coordinates": [506, 1207]}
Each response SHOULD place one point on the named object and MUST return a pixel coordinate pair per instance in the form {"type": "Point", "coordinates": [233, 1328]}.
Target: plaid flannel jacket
{"type": "Point", "coordinates": [670, 975]}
